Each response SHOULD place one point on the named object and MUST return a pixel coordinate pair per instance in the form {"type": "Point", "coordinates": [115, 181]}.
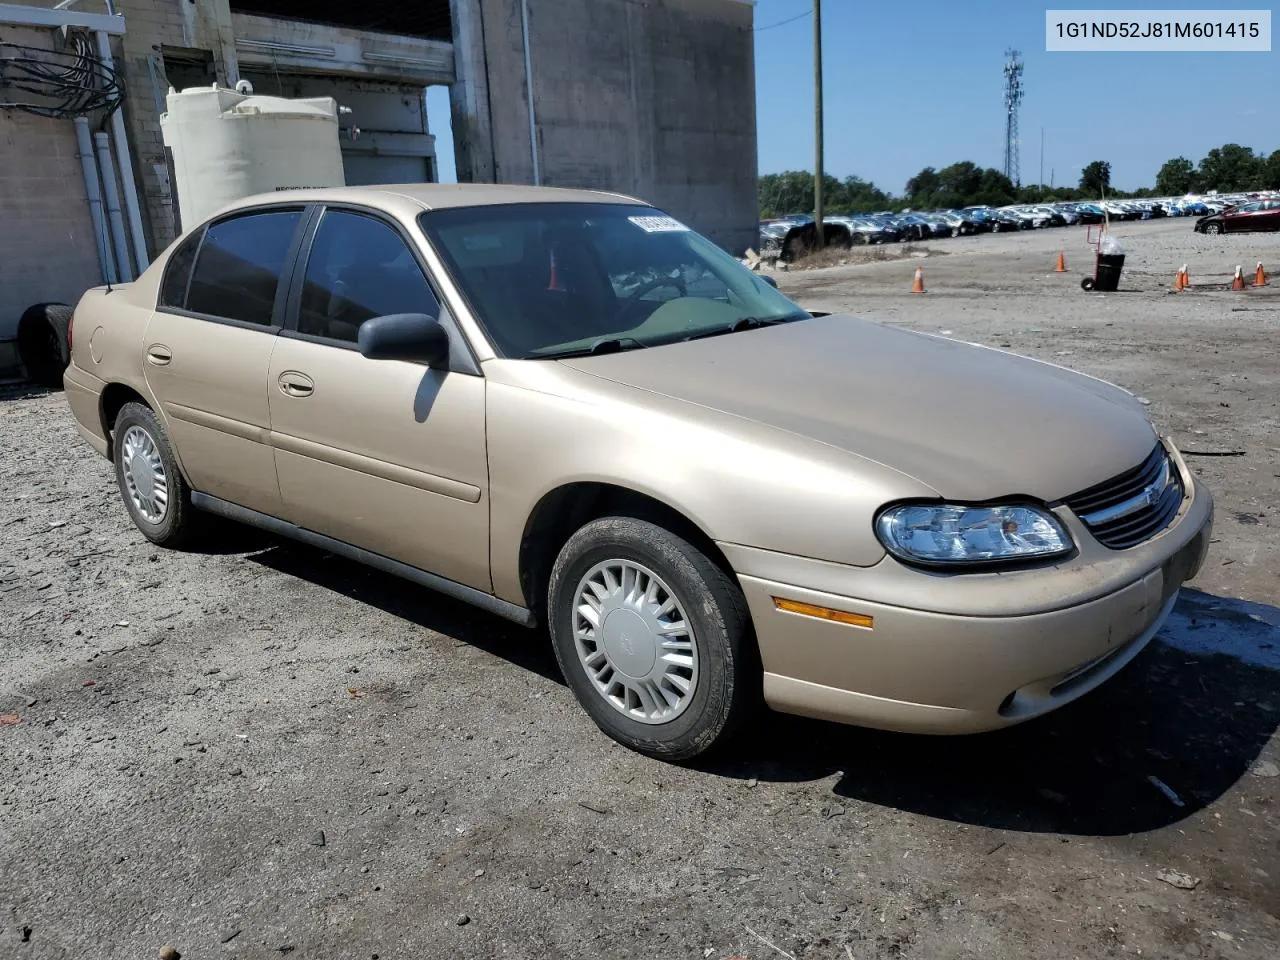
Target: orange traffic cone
{"type": "Point", "coordinates": [1186, 278]}
{"type": "Point", "coordinates": [1237, 282]}
{"type": "Point", "coordinates": [1062, 264]}
{"type": "Point", "coordinates": [917, 285]}
{"type": "Point", "coordinates": [553, 282]}
{"type": "Point", "coordinates": [1260, 278]}
{"type": "Point", "coordinates": [1178, 281]}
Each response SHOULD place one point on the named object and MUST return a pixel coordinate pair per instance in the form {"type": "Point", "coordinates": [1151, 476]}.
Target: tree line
{"type": "Point", "coordinates": [1227, 168]}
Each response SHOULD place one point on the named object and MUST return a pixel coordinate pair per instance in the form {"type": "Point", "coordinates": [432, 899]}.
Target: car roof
{"type": "Point", "coordinates": [410, 198]}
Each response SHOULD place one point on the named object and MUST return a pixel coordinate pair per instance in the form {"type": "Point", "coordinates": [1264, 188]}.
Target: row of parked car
{"type": "Point", "coordinates": [793, 235]}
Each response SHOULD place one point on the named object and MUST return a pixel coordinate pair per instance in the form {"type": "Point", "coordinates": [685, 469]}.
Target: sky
{"type": "Point", "coordinates": [910, 85]}
{"type": "Point", "coordinates": [917, 84]}
{"type": "Point", "coordinates": [438, 125]}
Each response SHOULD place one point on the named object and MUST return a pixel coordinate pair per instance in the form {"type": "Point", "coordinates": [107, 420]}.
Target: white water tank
{"type": "Point", "coordinates": [228, 145]}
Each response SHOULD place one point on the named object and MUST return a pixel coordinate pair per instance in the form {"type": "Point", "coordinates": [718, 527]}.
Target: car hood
{"type": "Point", "coordinates": [970, 422]}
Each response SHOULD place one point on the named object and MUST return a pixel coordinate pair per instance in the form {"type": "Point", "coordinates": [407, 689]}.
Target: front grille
{"type": "Point", "coordinates": [1133, 507]}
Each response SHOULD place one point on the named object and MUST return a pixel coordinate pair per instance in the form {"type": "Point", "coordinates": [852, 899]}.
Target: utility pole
{"type": "Point", "coordinates": [817, 123]}
{"type": "Point", "coordinates": [1041, 180]}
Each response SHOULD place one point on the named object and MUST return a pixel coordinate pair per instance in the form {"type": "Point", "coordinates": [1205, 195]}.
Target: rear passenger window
{"type": "Point", "coordinates": [240, 264]}
{"type": "Point", "coordinates": [359, 268]}
{"type": "Point", "coordinates": [177, 272]}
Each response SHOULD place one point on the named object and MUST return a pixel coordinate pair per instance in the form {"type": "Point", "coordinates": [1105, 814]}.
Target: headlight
{"type": "Point", "coordinates": [943, 533]}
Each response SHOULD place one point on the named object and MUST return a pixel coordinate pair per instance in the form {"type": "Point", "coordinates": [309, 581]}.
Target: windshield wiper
{"type": "Point", "coordinates": [603, 345]}
{"type": "Point", "coordinates": [748, 323]}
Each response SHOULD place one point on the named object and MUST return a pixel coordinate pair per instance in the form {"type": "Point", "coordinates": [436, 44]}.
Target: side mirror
{"type": "Point", "coordinates": [769, 280]}
{"type": "Point", "coordinates": [405, 336]}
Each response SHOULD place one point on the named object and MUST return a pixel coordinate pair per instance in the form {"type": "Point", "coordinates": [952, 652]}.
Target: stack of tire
{"type": "Point", "coordinates": [42, 342]}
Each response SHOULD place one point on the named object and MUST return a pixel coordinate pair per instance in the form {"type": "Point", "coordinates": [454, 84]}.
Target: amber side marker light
{"type": "Point", "coordinates": [824, 613]}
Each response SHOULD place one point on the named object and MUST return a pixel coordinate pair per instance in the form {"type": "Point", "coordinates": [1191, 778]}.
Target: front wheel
{"type": "Point", "coordinates": [1212, 228]}
{"type": "Point", "coordinates": [653, 638]}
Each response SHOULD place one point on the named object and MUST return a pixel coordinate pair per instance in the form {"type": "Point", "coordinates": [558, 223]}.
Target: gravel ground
{"type": "Point", "coordinates": [259, 750]}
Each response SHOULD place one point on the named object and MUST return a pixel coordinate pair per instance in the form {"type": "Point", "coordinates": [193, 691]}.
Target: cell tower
{"type": "Point", "coordinates": [1012, 97]}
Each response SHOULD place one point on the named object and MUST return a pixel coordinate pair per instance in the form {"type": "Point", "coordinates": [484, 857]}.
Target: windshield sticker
{"type": "Point", "coordinates": [659, 224]}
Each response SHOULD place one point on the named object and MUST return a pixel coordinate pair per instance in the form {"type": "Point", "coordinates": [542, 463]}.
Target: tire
{"type": "Point", "coordinates": [1212, 228]}
{"type": "Point", "coordinates": [1086, 284]}
{"type": "Point", "coordinates": [724, 679]}
{"type": "Point", "coordinates": [797, 245]}
{"type": "Point", "coordinates": [42, 343]}
{"type": "Point", "coordinates": [137, 428]}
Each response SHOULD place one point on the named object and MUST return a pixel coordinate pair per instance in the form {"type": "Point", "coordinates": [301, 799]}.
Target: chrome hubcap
{"type": "Point", "coordinates": [634, 641]}
{"type": "Point", "coordinates": [145, 479]}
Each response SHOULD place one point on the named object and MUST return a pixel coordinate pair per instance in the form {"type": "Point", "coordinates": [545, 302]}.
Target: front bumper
{"type": "Point", "coordinates": [1012, 646]}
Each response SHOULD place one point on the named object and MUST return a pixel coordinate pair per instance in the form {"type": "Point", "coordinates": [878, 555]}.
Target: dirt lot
{"type": "Point", "coordinates": [259, 750]}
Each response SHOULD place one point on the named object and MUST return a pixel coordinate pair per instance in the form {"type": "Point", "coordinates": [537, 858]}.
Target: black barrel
{"type": "Point", "coordinates": [1109, 267]}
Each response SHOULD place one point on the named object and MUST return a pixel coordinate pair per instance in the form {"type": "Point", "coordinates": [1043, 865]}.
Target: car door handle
{"type": "Point", "coordinates": [294, 384]}
{"type": "Point", "coordinates": [159, 354]}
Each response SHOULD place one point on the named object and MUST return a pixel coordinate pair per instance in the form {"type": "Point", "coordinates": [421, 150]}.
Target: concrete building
{"type": "Point", "coordinates": [47, 248]}
{"type": "Point", "coordinates": [654, 98]}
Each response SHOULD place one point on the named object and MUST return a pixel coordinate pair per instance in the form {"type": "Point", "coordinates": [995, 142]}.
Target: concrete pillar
{"type": "Point", "coordinates": [508, 92]}
{"type": "Point", "coordinates": [212, 23]}
{"type": "Point", "coordinates": [644, 128]}
{"type": "Point", "coordinates": [469, 95]}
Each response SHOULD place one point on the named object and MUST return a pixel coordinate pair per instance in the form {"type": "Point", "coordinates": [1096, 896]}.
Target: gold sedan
{"type": "Point", "coordinates": [570, 409]}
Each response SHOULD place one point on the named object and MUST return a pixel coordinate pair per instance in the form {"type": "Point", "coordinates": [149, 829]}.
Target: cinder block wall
{"type": "Point", "coordinates": [47, 249]}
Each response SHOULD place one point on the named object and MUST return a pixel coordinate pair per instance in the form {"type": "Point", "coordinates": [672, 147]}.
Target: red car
{"type": "Point", "coordinates": [1246, 218]}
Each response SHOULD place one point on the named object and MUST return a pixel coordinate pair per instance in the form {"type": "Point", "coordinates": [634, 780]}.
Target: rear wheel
{"type": "Point", "coordinates": [653, 638]}
{"type": "Point", "coordinates": [154, 490]}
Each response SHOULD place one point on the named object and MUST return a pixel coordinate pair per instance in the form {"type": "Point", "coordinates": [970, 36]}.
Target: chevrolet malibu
{"type": "Point", "coordinates": [569, 409]}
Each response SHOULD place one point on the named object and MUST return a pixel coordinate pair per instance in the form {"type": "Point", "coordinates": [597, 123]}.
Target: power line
{"type": "Point", "coordinates": [784, 22]}
{"type": "Point", "coordinates": [61, 83]}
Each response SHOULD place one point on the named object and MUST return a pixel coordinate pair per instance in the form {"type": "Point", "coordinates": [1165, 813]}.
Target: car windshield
{"type": "Point", "coordinates": [558, 279]}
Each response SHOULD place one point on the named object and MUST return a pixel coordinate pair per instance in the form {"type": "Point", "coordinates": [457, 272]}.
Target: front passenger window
{"type": "Point", "coordinates": [359, 268]}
